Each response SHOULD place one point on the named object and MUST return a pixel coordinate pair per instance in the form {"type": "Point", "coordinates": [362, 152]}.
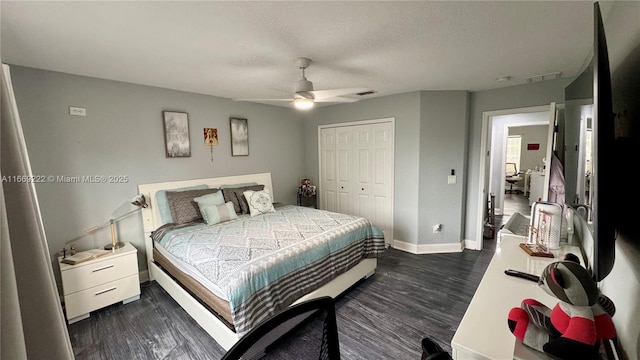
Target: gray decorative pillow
{"type": "Point", "coordinates": [236, 196]}
{"type": "Point", "coordinates": [230, 196]}
{"type": "Point", "coordinates": [183, 208]}
{"type": "Point", "coordinates": [163, 205]}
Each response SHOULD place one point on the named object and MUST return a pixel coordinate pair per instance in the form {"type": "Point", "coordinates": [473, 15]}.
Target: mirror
{"type": "Point", "coordinates": [585, 156]}
{"type": "Point", "coordinates": [579, 141]}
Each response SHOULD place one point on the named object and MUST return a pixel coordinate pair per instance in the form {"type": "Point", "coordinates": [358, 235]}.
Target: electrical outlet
{"type": "Point", "coordinates": [451, 179]}
{"type": "Point", "coordinates": [77, 111]}
{"type": "Point", "coordinates": [436, 228]}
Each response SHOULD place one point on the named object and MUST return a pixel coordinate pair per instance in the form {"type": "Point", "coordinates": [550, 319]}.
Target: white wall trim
{"type": "Point", "coordinates": [470, 244]}
{"type": "Point", "coordinates": [428, 248]}
{"type": "Point", "coordinates": [485, 142]}
{"type": "Point", "coordinates": [359, 122]}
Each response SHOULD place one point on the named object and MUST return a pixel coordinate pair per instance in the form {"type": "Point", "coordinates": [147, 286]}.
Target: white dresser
{"type": "Point", "coordinates": [97, 283]}
{"type": "Point", "coordinates": [483, 332]}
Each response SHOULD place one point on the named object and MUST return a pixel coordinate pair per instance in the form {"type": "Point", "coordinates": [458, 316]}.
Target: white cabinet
{"type": "Point", "coordinates": [356, 171]}
{"type": "Point", "coordinates": [536, 188]}
{"type": "Point", "coordinates": [97, 283]}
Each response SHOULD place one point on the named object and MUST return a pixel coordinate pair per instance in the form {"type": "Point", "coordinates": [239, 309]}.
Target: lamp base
{"type": "Point", "coordinates": [115, 246]}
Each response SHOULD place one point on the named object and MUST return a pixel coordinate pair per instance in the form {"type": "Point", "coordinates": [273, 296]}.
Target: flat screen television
{"type": "Point", "coordinates": [588, 162]}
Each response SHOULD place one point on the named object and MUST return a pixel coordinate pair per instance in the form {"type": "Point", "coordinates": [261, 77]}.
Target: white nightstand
{"type": "Point", "coordinates": [94, 284]}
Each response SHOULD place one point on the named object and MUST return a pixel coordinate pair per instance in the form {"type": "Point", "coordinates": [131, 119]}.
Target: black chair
{"type": "Point", "coordinates": [307, 330]}
{"type": "Point", "coordinates": [431, 350]}
{"type": "Point", "coordinates": [511, 176]}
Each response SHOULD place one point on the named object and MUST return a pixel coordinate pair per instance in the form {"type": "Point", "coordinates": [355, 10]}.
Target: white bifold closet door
{"type": "Point", "coordinates": [356, 170]}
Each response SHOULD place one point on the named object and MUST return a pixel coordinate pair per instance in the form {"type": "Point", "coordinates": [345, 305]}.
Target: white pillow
{"type": "Point", "coordinates": [259, 202]}
{"type": "Point", "coordinates": [210, 199]}
{"type": "Point", "coordinates": [215, 214]}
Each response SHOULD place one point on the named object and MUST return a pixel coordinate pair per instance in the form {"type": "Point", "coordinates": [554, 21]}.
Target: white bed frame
{"type": "Point", "coordinates": [208, 321]}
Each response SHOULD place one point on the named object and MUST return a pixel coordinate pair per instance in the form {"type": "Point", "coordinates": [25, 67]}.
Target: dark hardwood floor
{"type": "Point", "coordinates": [514, 203]}
{"type": "Point", "coordinates": [383, 317]}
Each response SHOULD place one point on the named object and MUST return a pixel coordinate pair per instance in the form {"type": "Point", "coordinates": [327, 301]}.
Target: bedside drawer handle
{"type": "Point", "coordinates": [105, 291]}
{"type": "Point", "coordinates": [102, 268]}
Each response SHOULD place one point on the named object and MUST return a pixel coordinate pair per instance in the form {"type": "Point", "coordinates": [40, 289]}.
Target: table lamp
{"type": "Point", "coordinates": [138, 200]}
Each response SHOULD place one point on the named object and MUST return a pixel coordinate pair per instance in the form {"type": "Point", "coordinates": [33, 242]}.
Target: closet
{"type": "Point", "coordinates": [356, 170]}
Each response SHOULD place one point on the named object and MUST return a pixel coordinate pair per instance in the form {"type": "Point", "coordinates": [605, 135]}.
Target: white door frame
{"type": "Point", "coordinates": [392, 120]}
{"type": "Point", "coordinates": [485, 142]}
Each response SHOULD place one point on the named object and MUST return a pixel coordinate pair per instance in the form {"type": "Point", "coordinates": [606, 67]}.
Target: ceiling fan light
{"type": "Point", "coordinates": [303, 104]}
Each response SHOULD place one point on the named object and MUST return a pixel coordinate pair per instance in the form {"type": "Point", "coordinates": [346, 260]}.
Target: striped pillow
{"type": "Point", "coordinates": [236, 196]}
{"type": "Point", "coordinates": [215, 214]}
{"type": "Point", "coordinates": [163, 204]}
{"type": "Point", "coordinates": [183, 208]}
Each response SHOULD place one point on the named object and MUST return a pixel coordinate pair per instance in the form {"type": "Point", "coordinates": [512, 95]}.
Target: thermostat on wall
{"type": "Point", "coordinates": [77, 111]}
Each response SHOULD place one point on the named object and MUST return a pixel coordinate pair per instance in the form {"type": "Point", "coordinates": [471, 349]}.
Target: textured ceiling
{"type": "Point", "coordinates": [247, 49]}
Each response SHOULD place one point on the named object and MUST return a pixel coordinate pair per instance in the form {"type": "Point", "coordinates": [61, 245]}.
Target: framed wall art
{"type": "Point", "coordinates": [239, 137]}
{"type": "Point", "coordinates": [210, 137]}
{"type": "Point", "coordinates": [176, 134]}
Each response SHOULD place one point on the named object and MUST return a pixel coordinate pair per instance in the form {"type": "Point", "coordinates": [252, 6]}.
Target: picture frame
{"type": "Point", "coordinates": [210, 137]}
{"type": "Point", "coordinates": [176, 134]}
{"type": "Point", "coordinates": [239, 136]}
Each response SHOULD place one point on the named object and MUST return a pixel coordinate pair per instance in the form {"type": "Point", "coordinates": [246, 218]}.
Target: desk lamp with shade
{"type": "Point", "coordinates": [138, 200]}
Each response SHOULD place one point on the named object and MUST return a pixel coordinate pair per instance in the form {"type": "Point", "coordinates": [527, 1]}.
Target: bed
{"type": "Point", "coordinates": [234, 274]}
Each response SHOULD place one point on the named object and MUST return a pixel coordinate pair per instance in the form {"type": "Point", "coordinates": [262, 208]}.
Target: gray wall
{"type": "Point", "coordinates": [430, 140]}
{"type": "Point", "coordinates": [521, 96]}
{"type": "Point", "coordinates": [443, 139]}
{"type": "Point", "coordinates": [405, 108]}
{"type": "Point", "coordinates": [535, 134]}
{"type": "Point", "coordinates": [122, 134]}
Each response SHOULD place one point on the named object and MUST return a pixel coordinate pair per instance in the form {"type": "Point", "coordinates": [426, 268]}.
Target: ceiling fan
{"type": "Point", "coordinates": [305, 96]}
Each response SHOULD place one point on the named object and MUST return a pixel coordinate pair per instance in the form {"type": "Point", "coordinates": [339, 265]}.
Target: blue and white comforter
{"type": "Point", "coordinates": [265, 263]}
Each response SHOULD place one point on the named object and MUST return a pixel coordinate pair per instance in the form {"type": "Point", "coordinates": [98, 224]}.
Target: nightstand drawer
{"type": "Point", "coordinates": [97, 297]}
{"type": "Point", "coordinates": [85, 276]}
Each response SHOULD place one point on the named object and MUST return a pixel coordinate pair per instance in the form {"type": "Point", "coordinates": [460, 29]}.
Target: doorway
{"type": "Point", "coordinates": [495, 130]}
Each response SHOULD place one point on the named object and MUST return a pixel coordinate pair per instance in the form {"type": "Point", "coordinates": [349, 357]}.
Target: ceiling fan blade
{"type": "Point", "coordinates": [336, 99]}
{"type": "Point", "coordinates": [305, 94]}
{"type": "Point", "coordinates": [262, 99]}
{"type": "Point", "coordinates": [320, 94]}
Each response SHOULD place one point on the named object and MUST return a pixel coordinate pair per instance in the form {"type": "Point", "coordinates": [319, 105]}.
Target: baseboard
{"type": "Point", "coordinates": [428, 248]}
{"type": "Point", "coordinates": [144, 276]}
{"type": "Point", "coordinates": [470, 244]}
